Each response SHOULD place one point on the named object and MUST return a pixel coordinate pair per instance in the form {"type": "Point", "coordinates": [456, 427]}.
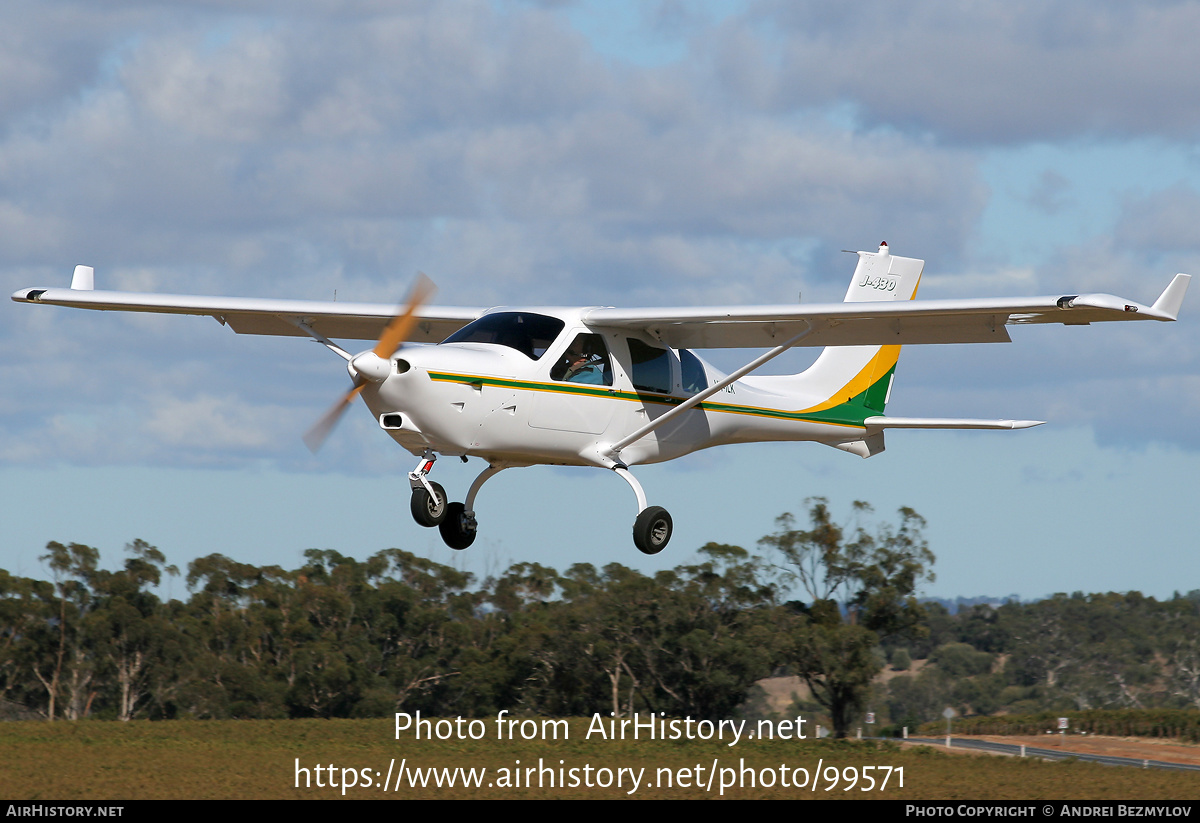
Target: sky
{"type": "Point", "coordinates": [651, 153]}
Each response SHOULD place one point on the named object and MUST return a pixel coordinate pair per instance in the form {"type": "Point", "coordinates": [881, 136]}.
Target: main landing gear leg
{"type": "Point", "coordinates": [652, 529]}
{"type": "Point", "coordinates": [459, 528]}
{"type": "Point", "coordinates": [428, 502]}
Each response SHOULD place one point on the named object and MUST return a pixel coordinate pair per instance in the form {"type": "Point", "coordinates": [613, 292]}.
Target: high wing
{"type": "Point", "coordinates": [882, 323]}
{"type": "Point", "coordinates": [832, 324]}
{"type": "Point", "coordinates": [249, 315]}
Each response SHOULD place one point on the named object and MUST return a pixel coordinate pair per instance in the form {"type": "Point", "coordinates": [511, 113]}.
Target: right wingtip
{"type": "Point", "coordinates": [84, 278]}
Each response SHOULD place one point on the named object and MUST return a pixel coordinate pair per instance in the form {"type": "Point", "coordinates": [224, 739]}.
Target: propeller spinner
{"type": "Point", "coordinates": [373, 366]}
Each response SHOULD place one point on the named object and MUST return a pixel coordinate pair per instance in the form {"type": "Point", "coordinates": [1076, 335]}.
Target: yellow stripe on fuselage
{"type": "Point", "coordinates": [877, 367]}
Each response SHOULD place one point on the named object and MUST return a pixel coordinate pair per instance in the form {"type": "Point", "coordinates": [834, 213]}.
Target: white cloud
{"type": "Point", "coordinates": [985, 72]}
{"type": "Point", "coordinates": [235, 93]}
{"type": "Point", "coordinates": [208, 422]}
{"type": "Point", "coordinates": [1162, 221]}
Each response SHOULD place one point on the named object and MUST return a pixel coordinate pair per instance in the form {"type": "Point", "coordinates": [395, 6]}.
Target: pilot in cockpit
{"type": "Point", "coordinates": [582, 363]}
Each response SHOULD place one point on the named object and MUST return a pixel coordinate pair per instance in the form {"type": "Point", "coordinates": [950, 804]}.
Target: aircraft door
{"type": "Point", "coordinates": [648, 379]}
{"type": "Point", "coordinates": [579, 396]}
{"type": "Point", "coordinates": [661, 381]}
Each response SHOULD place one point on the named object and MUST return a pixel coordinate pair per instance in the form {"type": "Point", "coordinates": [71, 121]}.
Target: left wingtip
{"type": "Point", "coordinates": [1169, 302]}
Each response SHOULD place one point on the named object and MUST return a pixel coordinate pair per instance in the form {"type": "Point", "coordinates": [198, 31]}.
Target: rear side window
{"type": "Point", "coordinates": [694, 379]}
{"type": "Point", "coordinates": [651, 367]}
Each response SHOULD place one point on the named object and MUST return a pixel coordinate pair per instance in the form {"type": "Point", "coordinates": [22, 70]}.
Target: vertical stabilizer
{"type": "Point", "coordinates": [859, 378]}
{"type": "Point", "coordinates": [882, 275]}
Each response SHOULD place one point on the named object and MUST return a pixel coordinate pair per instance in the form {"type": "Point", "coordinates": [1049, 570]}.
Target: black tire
{"type": "Point", "coordinates": [652, 530]}
{"type": "Point", "coordinates": [455, 532]}
{"type": "Point", "coordinates": [428, 510]}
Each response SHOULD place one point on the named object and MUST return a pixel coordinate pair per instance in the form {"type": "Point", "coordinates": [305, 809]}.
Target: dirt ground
{"type": "Point", "coordinates": [1145, 749]}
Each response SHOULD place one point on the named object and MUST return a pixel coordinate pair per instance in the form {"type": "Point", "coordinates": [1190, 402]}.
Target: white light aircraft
{"type": "Point", "coordinates": [614, 388]}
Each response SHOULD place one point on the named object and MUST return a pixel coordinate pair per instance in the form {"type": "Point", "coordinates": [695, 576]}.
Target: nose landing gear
{"type": "Point", "coordinates": [454, 521]}
{"type": "Point", "coordinates": [428, 501]}
{"type": "Point", "coordinates": [429, 507]}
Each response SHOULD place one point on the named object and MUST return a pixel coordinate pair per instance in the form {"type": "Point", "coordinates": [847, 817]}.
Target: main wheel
{"type": "Point", "coordinates": [455, 532]}
{"type": "Point", "coordinates": [652, 530]}
{"type": "Point", "coordinates": [428, 510]}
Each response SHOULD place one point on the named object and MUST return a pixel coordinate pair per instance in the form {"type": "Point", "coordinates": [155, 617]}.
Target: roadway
{"type": "Point", "coordinates": [1049, 754]}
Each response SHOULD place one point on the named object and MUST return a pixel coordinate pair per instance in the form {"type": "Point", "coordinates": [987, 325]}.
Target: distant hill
{"type": "Point", "coordinates": [958, 603]}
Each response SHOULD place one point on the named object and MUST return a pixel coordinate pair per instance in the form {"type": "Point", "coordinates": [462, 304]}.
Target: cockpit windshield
{"type": "Point", "coordinates": [530, 334]}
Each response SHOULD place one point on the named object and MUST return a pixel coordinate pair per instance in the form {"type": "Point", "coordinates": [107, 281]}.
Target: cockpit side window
{"type": "Point", "coordinates": [530, 334]}
{"type": "Point", "coordinates": [651, 367]}
{"type": "Point", "coordinates": [585, 361]}
{"type": "Point", "coordinates": [694, 378]}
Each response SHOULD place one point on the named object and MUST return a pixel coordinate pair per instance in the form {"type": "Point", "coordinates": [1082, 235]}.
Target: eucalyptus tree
{"type": "Point", "coordinates": [859, 584]}
{"type": "Point", "coordinates": [68, 669]}
{"type": "Point", "coordinates": [127, 627]}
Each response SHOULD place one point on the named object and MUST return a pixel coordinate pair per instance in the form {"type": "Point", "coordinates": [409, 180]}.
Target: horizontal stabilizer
{"type": "Point", "coordinates": [882, 422]}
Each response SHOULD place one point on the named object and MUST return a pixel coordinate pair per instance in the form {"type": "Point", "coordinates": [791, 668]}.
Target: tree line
{"type": "Point", "coordinates": [340, 637]}
{"type": "Point", "coordinates": [1064, 655]}
{"type": "Point", "coordinates": [829, 603]}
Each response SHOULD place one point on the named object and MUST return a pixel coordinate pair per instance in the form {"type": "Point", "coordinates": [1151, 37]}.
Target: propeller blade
{"type": "Point", "coordinates": [315, 437]}
{"type": "Point", "coordinates": [403, 322]}
{"type": "Point", "coordinates": [395, 333]}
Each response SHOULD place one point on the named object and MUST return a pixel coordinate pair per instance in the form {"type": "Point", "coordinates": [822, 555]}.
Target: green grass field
{"type": "Point", "coordinates": [258, 760]}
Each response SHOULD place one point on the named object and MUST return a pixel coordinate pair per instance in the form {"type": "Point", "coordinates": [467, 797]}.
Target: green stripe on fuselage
{"type": "Point", "coordinates": [850, 413]}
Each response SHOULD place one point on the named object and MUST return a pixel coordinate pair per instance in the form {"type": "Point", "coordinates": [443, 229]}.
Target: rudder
{"type": "Point", "coordinates": [860, 377]}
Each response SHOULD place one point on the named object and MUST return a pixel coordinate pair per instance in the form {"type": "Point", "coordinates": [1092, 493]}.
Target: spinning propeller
{"type": "Point", "coordinates": [373, 366]}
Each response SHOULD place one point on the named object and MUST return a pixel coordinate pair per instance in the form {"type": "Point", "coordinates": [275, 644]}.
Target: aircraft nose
{"type": "Point", "coordinates": [369, 366]}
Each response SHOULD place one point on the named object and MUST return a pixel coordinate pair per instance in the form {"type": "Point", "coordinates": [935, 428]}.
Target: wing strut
{"type": "Point", "coordinates": [696, 399]}
{"type": "Point", "coordinates": [320, 338]}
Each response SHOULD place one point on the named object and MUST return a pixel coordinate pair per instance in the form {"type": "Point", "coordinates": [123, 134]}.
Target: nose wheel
{"type": "Point", "coordinates": [429, 506]}
{"type": "Point", "coordinates": [428, 501]}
